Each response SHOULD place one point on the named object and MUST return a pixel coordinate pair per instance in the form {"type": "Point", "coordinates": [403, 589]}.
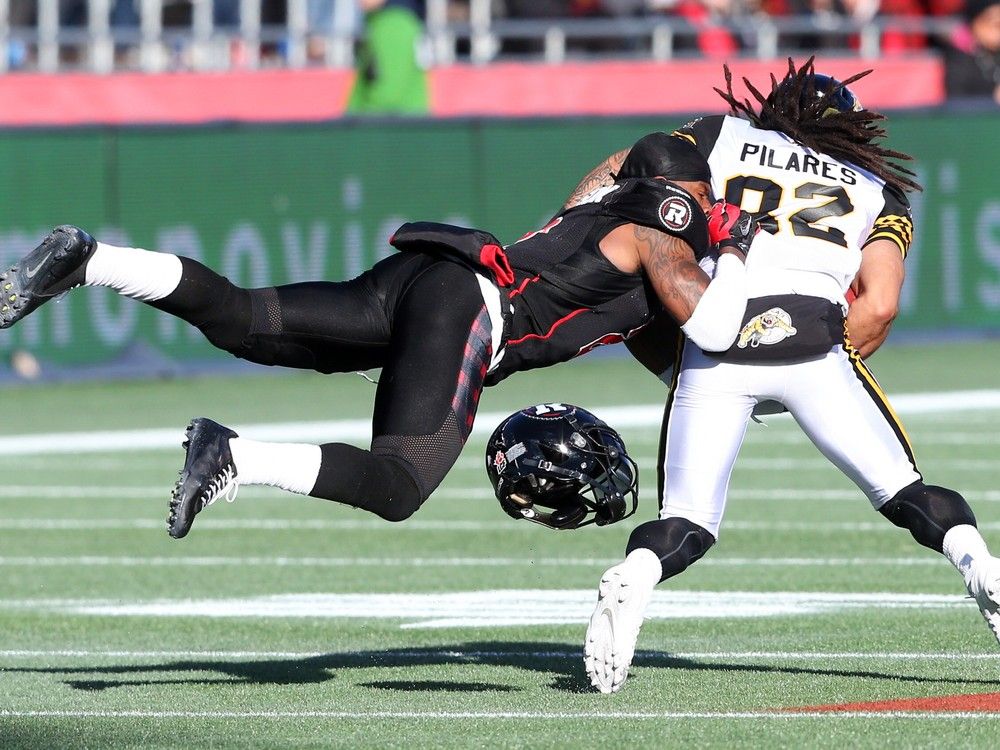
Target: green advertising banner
{"type": "Point", "coordinates": [270, 205]}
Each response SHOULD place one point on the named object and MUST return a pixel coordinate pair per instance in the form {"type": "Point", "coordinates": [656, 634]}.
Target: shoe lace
{"type": "Point", "coordinates": [222, 485]}
{"type": "Point", "coordinates": [62, 295]}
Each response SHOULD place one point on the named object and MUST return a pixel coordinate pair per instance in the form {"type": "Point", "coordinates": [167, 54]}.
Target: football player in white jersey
{"type": "Point", "coordinates": [806, 160]}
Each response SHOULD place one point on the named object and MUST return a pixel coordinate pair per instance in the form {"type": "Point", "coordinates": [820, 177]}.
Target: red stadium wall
{"type": "Point", "coordinates": [641, 88]}
{"type": "Point", "coordinates": [506, 89]}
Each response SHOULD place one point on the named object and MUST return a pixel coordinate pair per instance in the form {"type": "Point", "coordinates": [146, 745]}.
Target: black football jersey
{"type": "Point", "coordinates": [567, 297]}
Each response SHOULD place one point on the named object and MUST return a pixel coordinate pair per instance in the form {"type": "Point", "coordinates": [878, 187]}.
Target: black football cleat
{"type": "Point", "coordinates": [208, 474]}
{"type": "Point", "coordinates": [55, 266]}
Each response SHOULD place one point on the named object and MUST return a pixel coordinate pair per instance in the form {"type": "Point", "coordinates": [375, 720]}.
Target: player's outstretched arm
{"type": "Point", "coordinates": [710, 311]}
{"type": "Point", "coordinates": [600, 176]}
{"type": "Point", "coordinates": [669, 263]}
{"type": "Point", "coordinates": [878, 285]}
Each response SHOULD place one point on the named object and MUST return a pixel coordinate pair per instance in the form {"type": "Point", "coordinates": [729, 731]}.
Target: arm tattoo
{"type": "Point", "coordinates": [600, 176]}
{"type": "Point", "coordinates": [670, 265]}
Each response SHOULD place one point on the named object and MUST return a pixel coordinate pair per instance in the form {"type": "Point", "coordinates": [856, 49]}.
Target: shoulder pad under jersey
{"type": "Point", "coordinates": [702, 133]}
{"type": "Point", "coordinates": [658, 204]}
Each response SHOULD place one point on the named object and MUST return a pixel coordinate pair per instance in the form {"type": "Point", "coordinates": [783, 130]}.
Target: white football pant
{"type": "Point", "coordinates": [835, 400]}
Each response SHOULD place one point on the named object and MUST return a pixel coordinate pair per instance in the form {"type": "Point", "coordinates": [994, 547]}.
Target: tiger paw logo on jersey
{"type": "Point", "coordinates": [767, 328]}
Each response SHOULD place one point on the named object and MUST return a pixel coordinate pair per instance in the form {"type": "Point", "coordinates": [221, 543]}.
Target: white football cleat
{"type": "Point", "coordinates": [622, 598]}
{"type": "Point", "coordinates": [984, 586]}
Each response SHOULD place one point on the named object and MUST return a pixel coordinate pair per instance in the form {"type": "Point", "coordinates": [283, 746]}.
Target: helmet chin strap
{"type": "Point", "coordinates": [520, 500]}
{"type": "Point", "coordinates": [572, 514]}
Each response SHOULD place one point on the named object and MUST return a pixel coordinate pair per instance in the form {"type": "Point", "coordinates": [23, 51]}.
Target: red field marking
{"type": "Point", "coordinates": [982, 702]}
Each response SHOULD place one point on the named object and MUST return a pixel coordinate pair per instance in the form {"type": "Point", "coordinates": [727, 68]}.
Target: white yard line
{"type": "Point", "coordinates": [821, 464]}
{"type": "Point", "coordinates": [59, 491]}
{"type": "Point", "coordinates": [438, 562]}
{"type": "Point", "coordinates": [808, 493]}
{"type": "Point", "coordinates": [432, 654]}
{"type": "Point", "coordinates": [268, 524]}
{"type": "Point", "coordinates": [622, 417]}
{"type": "Point", "coordinates": [91, 463]}
{"type": "Point", "coordinates": [520, 715]}
{"type": "Point", "coordinates": [987, 438]}
{"type": "Point", "coordinates": [289, 524]}
{"type": "Point", "coordinates": [748, 463]}
{"type": "Point", "coordinates": [492, 608]}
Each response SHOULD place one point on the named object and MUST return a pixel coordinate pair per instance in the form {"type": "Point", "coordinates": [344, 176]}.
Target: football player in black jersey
{"type": "Point", "coordinates": [807, 159]}
{"type": "Point", "coordinates": [452, 312]}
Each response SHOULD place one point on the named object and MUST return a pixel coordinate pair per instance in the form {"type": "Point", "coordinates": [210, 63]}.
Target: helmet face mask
{"type": "Point", "coordinates": [562, 467]}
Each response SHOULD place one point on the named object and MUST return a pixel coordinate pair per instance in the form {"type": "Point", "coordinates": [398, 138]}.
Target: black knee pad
{"type": "Point", "coordinates": [380, 484]}
{"type": "Point", "coordinates": [400, 496]}
{"type": "Point", "coordinates": [213, 304]}
{"type": "Point", "coordinates": [928, 512]}
{"type": "Point", "coordinates": [676, 541]}
{"type": "Point", "coordinates": [227, 323]}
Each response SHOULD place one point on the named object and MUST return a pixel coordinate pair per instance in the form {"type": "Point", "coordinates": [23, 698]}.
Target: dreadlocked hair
{"type": "Point", "coordinates": [793, 108]}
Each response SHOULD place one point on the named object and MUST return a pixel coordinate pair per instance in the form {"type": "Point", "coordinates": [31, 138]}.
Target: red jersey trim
{"type": "Point", "coordinates": [521, 288]}
{"type": "Point", "coordinates": [551, 330]}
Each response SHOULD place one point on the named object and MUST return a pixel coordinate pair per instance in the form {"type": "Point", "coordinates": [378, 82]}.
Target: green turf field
{"type": "Point", "coordinates": [288, 622]}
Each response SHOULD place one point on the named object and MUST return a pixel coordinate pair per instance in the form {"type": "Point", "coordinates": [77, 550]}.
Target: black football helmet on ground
{"type": "Point", "coordinates": [562, 467]}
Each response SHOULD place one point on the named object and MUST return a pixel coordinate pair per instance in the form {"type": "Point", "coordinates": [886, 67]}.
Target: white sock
{"type": "Point", "coordinates": [290, 466]}
{"type": "Point", "coordinates": [643, 566]}
{"type": "Point", "coordinates": [965, 547]}
{"type": "Point", "coordinates": [139, 274]}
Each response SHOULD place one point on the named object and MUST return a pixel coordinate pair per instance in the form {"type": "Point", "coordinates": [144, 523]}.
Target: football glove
{"type": "Point", "coordinates": [728, 226]}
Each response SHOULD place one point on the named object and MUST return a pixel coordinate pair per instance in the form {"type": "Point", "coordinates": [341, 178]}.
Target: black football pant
{"type": "Point", "coordinates": [423, 321]}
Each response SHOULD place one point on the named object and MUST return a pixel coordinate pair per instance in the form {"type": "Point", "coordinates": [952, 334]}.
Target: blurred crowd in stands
{"type": "Point", "coordinates": [971, 48]}
{"type": "Point", "coordinates": [972, 59]}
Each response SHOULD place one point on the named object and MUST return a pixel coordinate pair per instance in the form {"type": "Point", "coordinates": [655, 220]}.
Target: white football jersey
{"type": "Point", "coordinates": [816, 213]}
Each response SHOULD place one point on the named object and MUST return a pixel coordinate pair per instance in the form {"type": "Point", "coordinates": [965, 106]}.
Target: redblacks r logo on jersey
{"type": "Point", "coordinates": [675, 214]}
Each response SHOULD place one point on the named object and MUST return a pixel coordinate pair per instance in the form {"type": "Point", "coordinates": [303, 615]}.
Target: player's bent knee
{"type": "Point", "coordinates": [390, 490]}
{"type": "Point", "coordinates": [677, 541]}
{"type": "Point", "coordinates": [380, 484]}
{"type": "Point", "coordinates": [402, 501]}
{"type": "Point", "coordinates": [928, 512]}
{"type": "Point", "coordinates": [222, 337]}
{"type": "Point", "coordinates": [228, 324]}
{"type": "Point", "coordinates": [248, 324]}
